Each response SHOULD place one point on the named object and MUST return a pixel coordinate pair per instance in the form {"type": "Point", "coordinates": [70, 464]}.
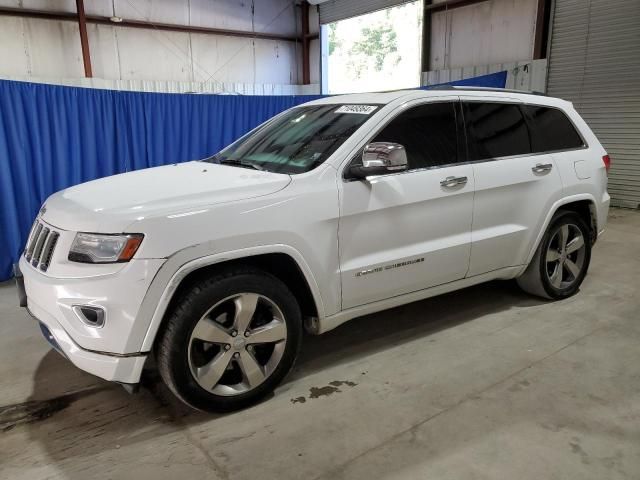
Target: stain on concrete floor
{"type": "Point", "coordinates": [35, 411]}
{"type": "Point", "coordinates": [317, 392]}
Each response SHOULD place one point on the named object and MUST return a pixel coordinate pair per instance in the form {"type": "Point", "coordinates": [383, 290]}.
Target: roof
{"type": "Point", "coordinates": [388, 97]}
{"type": "Point", "coordinates": [370, 97]}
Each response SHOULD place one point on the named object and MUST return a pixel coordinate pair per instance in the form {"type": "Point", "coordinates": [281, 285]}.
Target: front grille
{"type": "Point", "coordinates": [40, 246]}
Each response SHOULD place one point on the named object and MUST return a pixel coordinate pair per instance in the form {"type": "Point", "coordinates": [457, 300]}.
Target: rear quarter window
{"type": "Point", "coordinates": [495, 130]}
{"type": "Point", "coordinates": [551, 129]}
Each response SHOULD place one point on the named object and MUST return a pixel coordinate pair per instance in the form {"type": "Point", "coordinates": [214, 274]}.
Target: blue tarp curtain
{"type": "Point", "coordinates": [52, 137]}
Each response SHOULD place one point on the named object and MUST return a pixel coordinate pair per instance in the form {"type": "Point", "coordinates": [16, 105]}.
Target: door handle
{"type": "Point", "coordinates": [451, 182]}
{"type": "Point", "coordinates": [541, 168]}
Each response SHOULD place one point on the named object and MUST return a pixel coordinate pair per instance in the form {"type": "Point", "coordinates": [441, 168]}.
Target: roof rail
{"type": "Point", "coordinates": [483, 89]}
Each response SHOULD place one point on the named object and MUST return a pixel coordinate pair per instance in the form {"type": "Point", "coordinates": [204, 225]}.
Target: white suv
{"type": "Point", "coordinates": [331, 210]}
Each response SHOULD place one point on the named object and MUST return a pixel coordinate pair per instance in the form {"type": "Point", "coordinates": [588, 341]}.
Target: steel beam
{"type": "Point", "coordinates": [168, 27]}
{"type": "Point", "coordinates": [425, 53]}
{"type": "Point", "coordinates": [306, 43]}
{"type": "Point", "coordinates": [84, 39]}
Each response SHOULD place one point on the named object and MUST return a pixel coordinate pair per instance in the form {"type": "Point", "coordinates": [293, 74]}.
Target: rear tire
{"type": "Point", "coordinates": [230, 340]}
{"type": "Point", "coordinates": [562, 259]}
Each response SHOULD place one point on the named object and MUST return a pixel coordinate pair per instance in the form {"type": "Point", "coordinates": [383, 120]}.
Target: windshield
{"type": "Point", "coordinates": [297, 141]}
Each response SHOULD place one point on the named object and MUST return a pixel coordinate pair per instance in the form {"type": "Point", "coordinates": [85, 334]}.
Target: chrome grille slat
{"type": "Point", "coordinates": [41, 245]}
{"type": "Point", "coordinates": [37, 251]}
{"type": "Point", "coordinates": [47, 251]}
{"type": "Point", "coordinates": [33, 239]}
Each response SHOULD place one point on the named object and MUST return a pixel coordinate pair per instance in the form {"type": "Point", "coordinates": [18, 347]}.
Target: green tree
{"type": "Point", "coordinates": [377, 43]}
{"type": "Point", "coordinates": [334, 42]}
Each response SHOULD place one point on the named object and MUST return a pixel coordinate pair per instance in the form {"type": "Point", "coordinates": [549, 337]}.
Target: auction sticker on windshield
{"type": "Point", "coordinates": [361, 109]}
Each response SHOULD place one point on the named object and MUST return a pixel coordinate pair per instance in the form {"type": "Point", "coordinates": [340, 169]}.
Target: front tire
{"type": "Point", "coordinates": [562, 259]}
{"type": "Point", "coordinates": [230, 340]}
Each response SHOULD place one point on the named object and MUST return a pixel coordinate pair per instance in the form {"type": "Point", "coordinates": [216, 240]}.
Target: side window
{"type": "Point", "coordinates": [427, 132]}
{"type": "Point", "coordinates": [495, 130]}
{"type": "Point", "coordinates": [551, 129]}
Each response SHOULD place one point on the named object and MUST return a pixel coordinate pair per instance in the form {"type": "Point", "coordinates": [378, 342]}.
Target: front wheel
{"type": "Point", "coordinates": [230, 340]}
{"type": "Point", "coordinates": [562, 259]}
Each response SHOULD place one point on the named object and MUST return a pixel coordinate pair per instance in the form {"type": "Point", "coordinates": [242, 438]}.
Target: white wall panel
{"type": "Point", "coordinates": [274, 16]}
{"type": "Point", "coordinates": [227, 59]}
{"type": "Point", "coordinates": [161, 11]}
{"type": "Point", "coordinates": [155, 56]}
{"type": "Point", "coordinates": [92, 7]}
{"type": "Point", "coordinates": [51, 49]}
{"type": "Point", "coordinates": [526, 75]}
{"type": "Point", "coordinates": [57, 5]}
{"type": "Point", "coordinates": [228, 14]}
{"type": "Point", "coordinates": [15, 56]}
{"type": "Point", "coordinates": [495, 31]}
{"type": "Point", "coordinates": [105, 57]}
{"type": "Point", "coordinates": [102, 8]}
{"type": "Point", "coordinates": [275, 61]}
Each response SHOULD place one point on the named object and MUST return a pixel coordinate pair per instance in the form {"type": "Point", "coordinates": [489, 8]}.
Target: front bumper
{"type": "Point", "coordinates": [106, 352]}
{"type": "Point", "coordinates": [121, 369]}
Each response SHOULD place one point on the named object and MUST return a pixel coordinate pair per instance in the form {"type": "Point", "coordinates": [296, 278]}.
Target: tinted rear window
{"type": "Point", "coordinates": [551, 129]}
{"type": "Point", "coordinates": [496, 130]}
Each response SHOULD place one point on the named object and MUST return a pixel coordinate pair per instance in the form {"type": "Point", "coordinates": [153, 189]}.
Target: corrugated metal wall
{"type": "Point", "coordinates": [595, 63]}
{"type": "Point", "coordinates": [335, 10]}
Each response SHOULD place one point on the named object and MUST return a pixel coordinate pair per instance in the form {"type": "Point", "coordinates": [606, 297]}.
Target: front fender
{"type": "Point", "coordinates": [179, 265]}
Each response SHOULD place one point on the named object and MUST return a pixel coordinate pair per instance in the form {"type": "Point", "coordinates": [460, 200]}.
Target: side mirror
{"type": "Point", "coordinates": [379, 158]}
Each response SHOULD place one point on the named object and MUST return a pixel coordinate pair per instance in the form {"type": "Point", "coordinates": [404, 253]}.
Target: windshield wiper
{"type": "Point", "coordinates": [238, 163]}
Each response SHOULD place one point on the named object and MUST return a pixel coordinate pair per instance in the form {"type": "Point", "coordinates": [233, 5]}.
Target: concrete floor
{"type": "Point", "coordinates": [482, 383]}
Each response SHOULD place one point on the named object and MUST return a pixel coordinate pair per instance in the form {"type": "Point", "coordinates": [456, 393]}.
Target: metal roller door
{"type": "Point", "coordinates": [334, 10]}
{"type": "Point", "coordinates": [595, 63]}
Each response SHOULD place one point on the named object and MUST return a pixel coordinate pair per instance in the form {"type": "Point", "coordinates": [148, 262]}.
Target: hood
{"type": "Point", "coordinates": [110, 204]}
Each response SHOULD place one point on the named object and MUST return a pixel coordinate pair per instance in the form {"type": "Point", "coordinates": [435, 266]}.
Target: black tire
{"type": "Point", "coordinates": [536, 281]}
{"type": "Point", "coordinates": [172, 346]}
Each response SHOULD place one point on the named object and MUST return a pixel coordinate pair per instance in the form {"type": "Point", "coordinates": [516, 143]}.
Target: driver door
{"type": "Point", "coordinates": [407, 231]}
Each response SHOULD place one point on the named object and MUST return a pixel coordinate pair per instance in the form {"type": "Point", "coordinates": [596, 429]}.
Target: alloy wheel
{"type": "Point", "coordinates": [565, 256]}
{"type": "Point", "coordinates": [237, 344]}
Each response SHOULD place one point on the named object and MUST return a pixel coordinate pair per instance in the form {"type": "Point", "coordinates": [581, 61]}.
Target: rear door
{"type": "Point", "coordinates": [408, 231]}
{"type": "Point", "coordinates": [514, 188]}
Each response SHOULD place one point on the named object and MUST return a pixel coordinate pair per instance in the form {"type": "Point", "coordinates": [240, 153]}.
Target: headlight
{"type": "Point", "coordinates": [103, 248]}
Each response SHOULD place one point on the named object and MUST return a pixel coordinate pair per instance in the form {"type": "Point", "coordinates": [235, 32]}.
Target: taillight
{"type": "Point", "coordinates": [607, 162]}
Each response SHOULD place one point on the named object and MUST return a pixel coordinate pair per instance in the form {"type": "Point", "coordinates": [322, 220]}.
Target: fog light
{"type": "Point", "coordinates": [90, 315]}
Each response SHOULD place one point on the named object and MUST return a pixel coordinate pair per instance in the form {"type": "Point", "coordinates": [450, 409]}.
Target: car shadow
{"type": "Point", "coordinates": [77, 425]}
{"type": "Point", "coordinates": [369, 334]}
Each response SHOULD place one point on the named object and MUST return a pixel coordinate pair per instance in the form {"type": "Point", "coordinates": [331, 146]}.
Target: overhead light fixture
{"type": "Point", "coordinates": [115, 19]}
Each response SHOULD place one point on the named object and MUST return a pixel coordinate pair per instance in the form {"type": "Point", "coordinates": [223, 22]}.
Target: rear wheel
{"type": "Point", "coordinates": [562, 259]}
{"type": "Point", "coordinates": [230, 340]}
